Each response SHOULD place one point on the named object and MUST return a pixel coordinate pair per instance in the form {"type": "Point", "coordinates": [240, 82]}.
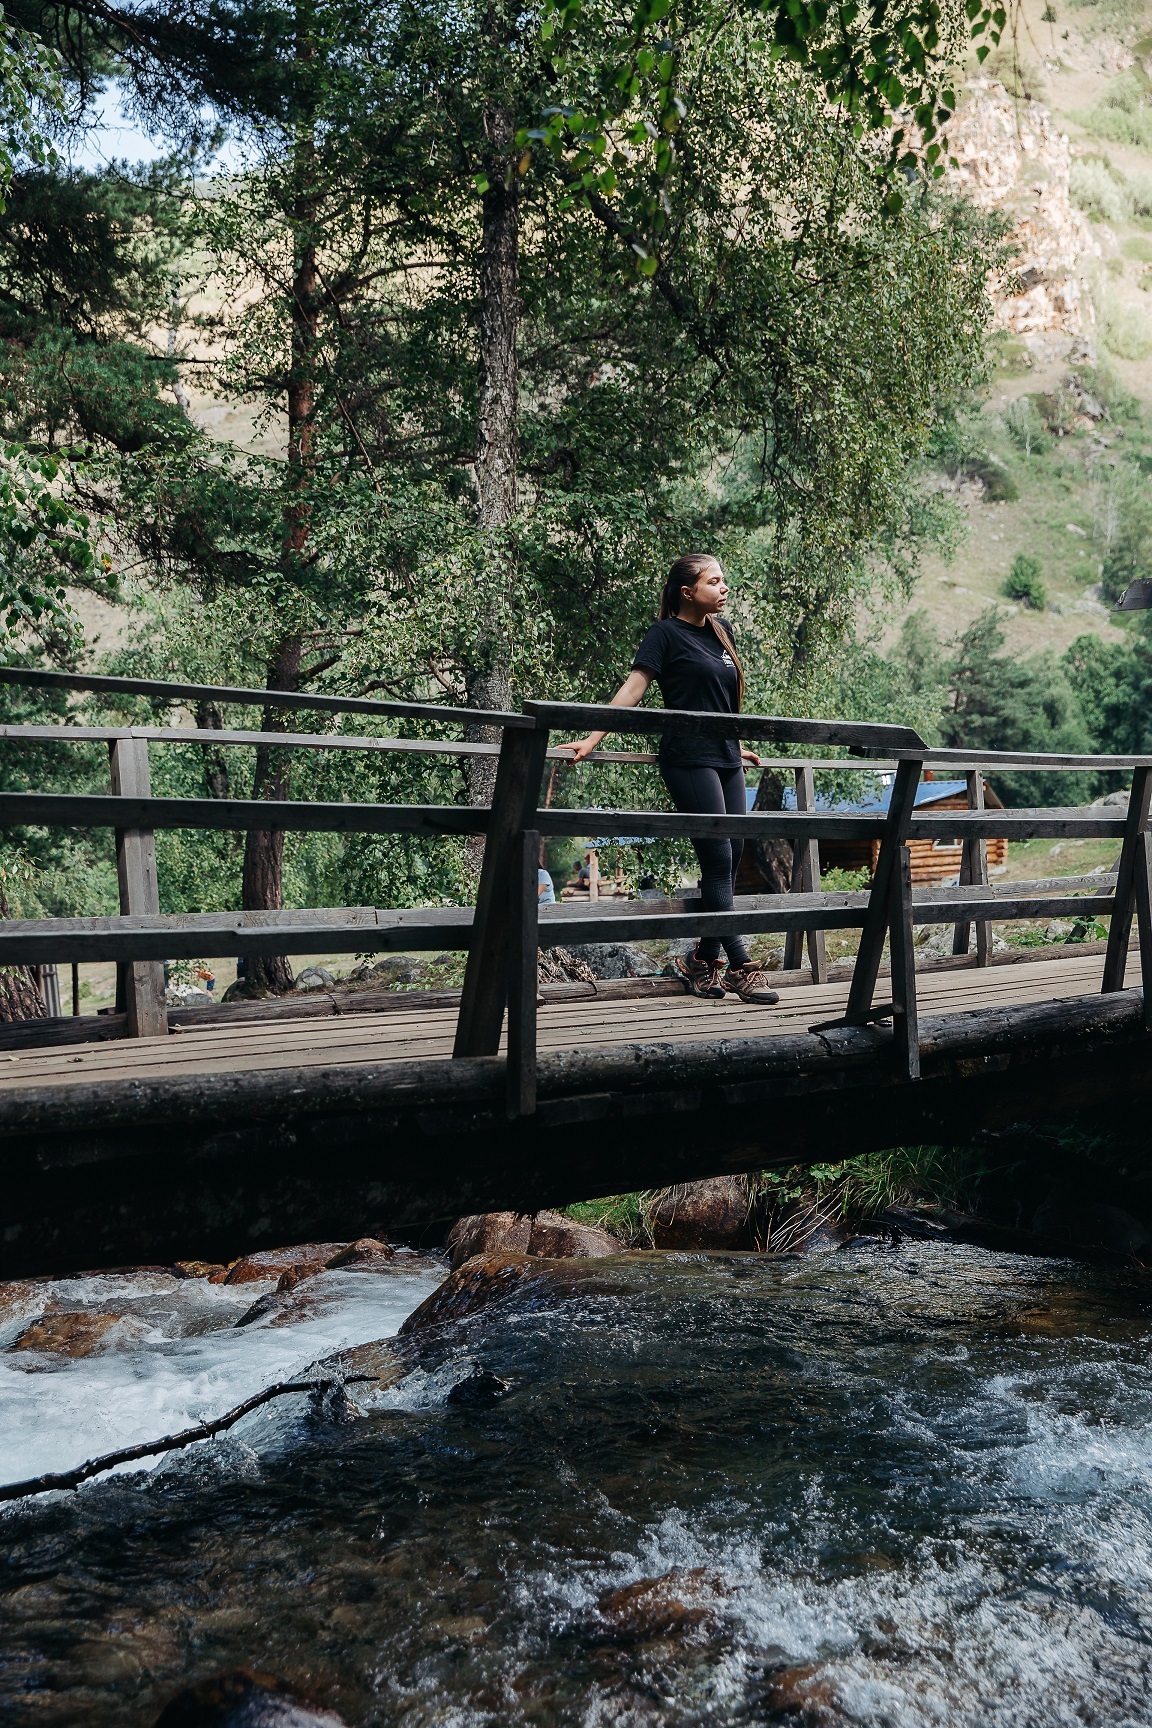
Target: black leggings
{"type": "Point", "coordinates": [716, 792]}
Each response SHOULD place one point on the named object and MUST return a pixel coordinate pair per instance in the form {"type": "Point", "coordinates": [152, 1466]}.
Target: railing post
{"type": "Point", "coordinates": [524, 910]}
{"type": "Point", "coordinates": [905, 1018]}
{"type": "Point", "coordinates": [1143, 895]}
{"type": "Point", "coordinates": [806, 880]}
{"type": "Point", "coordinates": [142, 980]}
{"type": "Point", "coordinates": [974, 871]}
{"type": "Point", "coordinates": [878, 914]}
{"type": "Point", "coordinates": [523, 752]}
{"type": "Point", "coordinates": [1131, 854]}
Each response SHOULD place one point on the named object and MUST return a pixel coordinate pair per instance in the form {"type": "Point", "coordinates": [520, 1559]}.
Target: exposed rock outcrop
{"type": "Point", "coordinates": [1011, 159]}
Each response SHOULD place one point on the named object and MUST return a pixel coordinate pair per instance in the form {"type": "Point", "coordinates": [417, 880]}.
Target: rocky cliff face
{"type": "Point", "coordinates": [1012, 159]}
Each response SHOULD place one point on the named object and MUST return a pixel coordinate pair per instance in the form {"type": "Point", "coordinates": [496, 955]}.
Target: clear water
{"type": "Point", "coordinates": [898, 1487]}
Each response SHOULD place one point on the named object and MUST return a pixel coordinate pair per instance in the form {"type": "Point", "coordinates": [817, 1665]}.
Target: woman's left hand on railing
{"type": "Point", "coordinates": [749, 758]}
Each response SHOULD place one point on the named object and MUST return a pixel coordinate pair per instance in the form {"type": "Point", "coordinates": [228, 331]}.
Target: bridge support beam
{"type": "Point", "coordinates": [1133, 853]}
{"type": "Point", "coordinates": [974, 870]}
{"type": "Point", "coordinates": [806, 880]}
{"type": "Point", "coordinates": [519, 772]}
{"type": "Point", "coordinates": [140, 981]}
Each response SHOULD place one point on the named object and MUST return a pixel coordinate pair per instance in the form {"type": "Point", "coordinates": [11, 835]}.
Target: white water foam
{"type": "Point", "coordinates": [56, 1412]}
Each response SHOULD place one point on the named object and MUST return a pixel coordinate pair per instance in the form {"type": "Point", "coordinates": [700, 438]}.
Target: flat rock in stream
{"type": "Point", "coordinates": [83, 1332]}
{"type": "Point", "coordinates": [488, 1279]}
{"type": "Point", "coordinates": [270, 1264]}
{"type": "Point", "coordinates": [547, 1235]}
{"type": "Point", "coordinates": [677, 1602]}
{"type": "Point", "coordinates": [243, 1700]}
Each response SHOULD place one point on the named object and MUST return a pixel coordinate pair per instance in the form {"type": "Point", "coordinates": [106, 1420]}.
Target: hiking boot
{"type": "Point", "coordinates": [701, 976]}
{"type": "Point", "coordinates": [750, 983]}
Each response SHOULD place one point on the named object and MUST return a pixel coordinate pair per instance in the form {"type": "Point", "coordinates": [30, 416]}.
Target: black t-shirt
{"type": "Point", "coordinates": [694, 670]}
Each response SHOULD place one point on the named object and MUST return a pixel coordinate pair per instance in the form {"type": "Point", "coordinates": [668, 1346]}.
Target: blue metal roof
{"type": "Point", "coordinates": [928, 792]}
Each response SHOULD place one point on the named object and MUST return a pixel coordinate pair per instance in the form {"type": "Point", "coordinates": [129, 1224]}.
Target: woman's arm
{"type": "Point", "coordinates": [630, 695]}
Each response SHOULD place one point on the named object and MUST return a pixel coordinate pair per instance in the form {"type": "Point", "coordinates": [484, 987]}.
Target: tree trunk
{"type": "Point", "coordinates": [209, 719]}
{"type": "Point", "coordinates": [773, 857]}
{"type": "Point", "coordinates": [20, 997]}
{"type": "Point", "coordinates": [263, 880]}
{"type": "Point", "coordinates": [489, 683]}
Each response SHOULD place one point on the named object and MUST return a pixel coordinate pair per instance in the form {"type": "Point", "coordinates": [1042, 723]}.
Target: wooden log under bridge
{"type": "Point", "coordinates": [221, 1133]}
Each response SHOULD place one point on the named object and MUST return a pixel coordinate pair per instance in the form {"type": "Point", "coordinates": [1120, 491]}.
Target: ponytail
{"type": "Point", "coordinates": [685, 573]}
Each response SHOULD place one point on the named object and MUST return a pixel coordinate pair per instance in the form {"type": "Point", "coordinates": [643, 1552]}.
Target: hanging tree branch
{"type": "Point", "coordinates": [53, 1480]}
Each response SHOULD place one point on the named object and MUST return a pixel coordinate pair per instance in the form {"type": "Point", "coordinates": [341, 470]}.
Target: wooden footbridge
{"type": "Point", "coordinates": [156, 1133]}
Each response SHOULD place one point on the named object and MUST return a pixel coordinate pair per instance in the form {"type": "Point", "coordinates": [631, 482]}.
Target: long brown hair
{"type": "Point", "coordinates": [685, 573]}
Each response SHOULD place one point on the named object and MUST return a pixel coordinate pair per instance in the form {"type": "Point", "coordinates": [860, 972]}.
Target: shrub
{"type": "Point", "coordinates": [1120, 115]}
{"type": "Point", "coordinates": [1139, 249]}
{"type": "Point", "coordinates": [1094, 190]}
{"type": "Point", "coordinates": [1026, 426]}
{"type": "Point", "coordinates": [999, 486]}
{"type": "Point", "coordinates": [1024, 583]}
{"type": "Point", "coordinates": [1124, 330]}
{"type": "Point", "coordinates": [1140, 192]}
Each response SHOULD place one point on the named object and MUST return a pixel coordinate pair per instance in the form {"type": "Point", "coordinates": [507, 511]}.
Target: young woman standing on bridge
{"type": "Point", "coordinates": [692, 656]}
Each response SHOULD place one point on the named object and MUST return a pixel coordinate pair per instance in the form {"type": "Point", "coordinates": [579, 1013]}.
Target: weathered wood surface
{"type": "Point", "coordinates": [61, 810]}
{"type": "Point", "coordinates": [174, 691]}
{"type": "Point", "coordinates": [141, 982]}
{"type": "Point", "coordinates": [1038, 759]}
{"type": "Point", "coordinates": [586, 717]}
{"type": "Point", "coordinates": [84, 810]}
{"type": "Point", "coordinates": [514, 797]}
{"type": "Point", "coordinates": [216, 935]}
{"type": "Point", "coordinates": [284, 741]}
{"type": "Point", "coordinates": [320, 1141]}
{"type": "Point", "coordinates": [293, 1058]}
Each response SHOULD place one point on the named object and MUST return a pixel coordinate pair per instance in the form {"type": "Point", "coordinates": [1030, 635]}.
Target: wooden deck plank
{"type": "Point", "coordinates": [357, 1039]}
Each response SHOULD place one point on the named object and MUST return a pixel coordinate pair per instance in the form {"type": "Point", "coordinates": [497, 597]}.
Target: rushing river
{"type": "Point", "coordinates": [899, 1486]}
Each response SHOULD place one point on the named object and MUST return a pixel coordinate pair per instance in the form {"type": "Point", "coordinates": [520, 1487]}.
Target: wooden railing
{"type": "Point", "coordinates": [502, 934]}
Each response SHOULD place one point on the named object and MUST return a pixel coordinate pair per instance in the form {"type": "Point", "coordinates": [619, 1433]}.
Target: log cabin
{"type": "Point", "coordinates": [933, 861]}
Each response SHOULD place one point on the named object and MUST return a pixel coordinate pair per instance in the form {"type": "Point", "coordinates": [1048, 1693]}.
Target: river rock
{"type": "Point", "coordinates": [615, 960]}
{"type": "Point", "coordinates": [243, 1700]}
{"type": "Point", "coordinates": [715, 1213]}
{"type": "Point", "coordinates": [655, 1607]}
{"type": "Point", "coordinates": [548, 1235]}
{"type": "Point", "coordinates": [214, 1270]}
{"type": "Point", "coordinates": [83, 1332]}
{"type": "Point", "coordinates": [314, 978]}
{"type": "Point", "coordinates": [365, 1255]}
{"type": "Point", "coordinates": [488, 1279]}
{"type": "Point", "coordinates": [271, 1263]}
{"type": "Point", "coordinates": [555, 1237]}
{"type": "Point", "coordinates": [802, 1695]}
{"type": "Point", "coordinates": [489, 1233]}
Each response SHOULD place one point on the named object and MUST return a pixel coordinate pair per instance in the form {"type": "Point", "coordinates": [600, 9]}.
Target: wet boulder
{"type": "Point", "coordinates": [557, 1238]}
{"type": "Point", "coordinates": [488, 1280]}
{"type": "Point", "coordinates": [270, 1264]}
{"type": "Point", "coordinates": [489, 1233]}
{"type": "Point", "coordinates": [715, 1213]}
{"type": "Point", "coordinates": [366, 1254]}
{"type": "Point", "coordinates": [547, 1235]}
{"type": "Point", "coordinates": [243, 1700]}
{"type": "Point", "coordinates": [677, 1602]}
{"type": "Point", "coordinates": [83, 1332]}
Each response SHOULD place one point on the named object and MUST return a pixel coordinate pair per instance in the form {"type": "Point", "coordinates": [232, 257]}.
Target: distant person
{"type": "Point", "coordinates": [691, 653]}
{"type": "Point", "coordinates": [545, 888]}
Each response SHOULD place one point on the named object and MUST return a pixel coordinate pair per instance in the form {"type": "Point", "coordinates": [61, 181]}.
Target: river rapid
{"type": "Point", "coordinates": [903, 1486]}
